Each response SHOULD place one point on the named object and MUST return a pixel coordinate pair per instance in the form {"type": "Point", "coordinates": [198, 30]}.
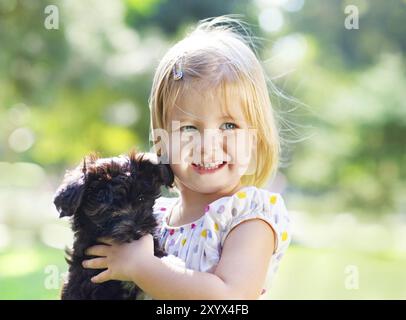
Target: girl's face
{"type": "Point", "coordinates": [209, 150]}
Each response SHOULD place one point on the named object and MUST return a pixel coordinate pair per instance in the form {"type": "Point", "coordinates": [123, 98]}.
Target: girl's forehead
{"type": "Point", "coordinates": [200, 104]}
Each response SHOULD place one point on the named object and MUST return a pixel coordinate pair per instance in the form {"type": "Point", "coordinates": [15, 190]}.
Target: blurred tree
{"type": "Point", "coordinates": [381, 29]}
{"type": "Point", "coordinates": [354, 83]}
{"type": "Point", "coordinates": [85, 86]}
{"type": "Point", "coordinates": [169, 15]}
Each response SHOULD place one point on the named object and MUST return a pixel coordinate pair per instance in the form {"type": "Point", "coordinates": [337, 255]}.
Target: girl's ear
{"type": "Point", "coordinates": [69, 195]}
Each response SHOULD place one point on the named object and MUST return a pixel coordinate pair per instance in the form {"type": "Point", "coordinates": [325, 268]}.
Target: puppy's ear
{"type": "Point", "coordinates": [69, 195]}
{"type": "Point", "coordinates": [149, 164]}
{"type": "Point", "coordinates": [165, 174]}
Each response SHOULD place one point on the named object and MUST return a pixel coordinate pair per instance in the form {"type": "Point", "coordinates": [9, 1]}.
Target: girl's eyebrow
{"type": "Point", "coordinates": [187, 116]}
{"type": "Point", "coordinates": [229, 117]}
{"type": "Point", "coordinates": [185, 119]}
{"type": "Point", "coordinates": [236, 119]}
{"type": "Point", "coordinates": [195, 119]}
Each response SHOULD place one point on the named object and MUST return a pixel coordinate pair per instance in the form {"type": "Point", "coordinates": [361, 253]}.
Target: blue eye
{"type": "Point", "coordinates": [228, 126]}
{"type": "Point", "coordinates": [187, 128]}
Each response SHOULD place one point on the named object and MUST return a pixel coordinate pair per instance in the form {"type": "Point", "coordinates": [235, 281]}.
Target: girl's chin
{"type": "Point", "coordinates": [209, 186]}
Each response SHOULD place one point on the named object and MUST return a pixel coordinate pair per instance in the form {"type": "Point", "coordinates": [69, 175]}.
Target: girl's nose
{"type": "Point", "coordinates": [212, 145]}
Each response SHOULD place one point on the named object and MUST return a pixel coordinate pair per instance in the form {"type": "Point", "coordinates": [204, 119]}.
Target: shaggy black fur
{"type": "Point", "coordinates": [108, 197]}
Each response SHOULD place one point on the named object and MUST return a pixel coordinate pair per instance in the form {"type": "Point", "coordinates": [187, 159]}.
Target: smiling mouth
{"type": "Point", "coordinates": [208, 167]}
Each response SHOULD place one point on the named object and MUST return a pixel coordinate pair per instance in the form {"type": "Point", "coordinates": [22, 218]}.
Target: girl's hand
{"type": "Point", "coordinates": [123, 262]}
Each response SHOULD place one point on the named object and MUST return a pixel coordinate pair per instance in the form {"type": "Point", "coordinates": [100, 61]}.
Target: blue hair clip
{"type": "Point", "coordinates": [177, 72]}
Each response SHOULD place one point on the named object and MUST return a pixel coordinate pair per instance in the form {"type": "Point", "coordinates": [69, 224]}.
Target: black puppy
{"type": "Point", "coordinates": [113, 198]}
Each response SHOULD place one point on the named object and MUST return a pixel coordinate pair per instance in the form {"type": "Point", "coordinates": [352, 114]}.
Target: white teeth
{"type": "Point", "coordinates": [214, 165]}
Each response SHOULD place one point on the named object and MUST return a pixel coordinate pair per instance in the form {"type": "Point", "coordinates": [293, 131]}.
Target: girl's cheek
{"type": "Point", "coordinates": [173, 153]}
{"type": "Point", "coordinates": [235, 146]}
{"type": "Point", "coordinates": [180, 153]}
{"type": "Point", "coordinates": [240, 148]}
{"type": "Point", "coordinates": [250, 161]}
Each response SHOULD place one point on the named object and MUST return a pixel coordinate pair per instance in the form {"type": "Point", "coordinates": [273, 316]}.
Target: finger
{"type": "Point", "coordinates": [105, 240]}
{"type": "Point", "coordinates": [96, 263]}
{"type": "Point", "coordinates": [98, 250]}
{"type": "Point", "coordinates": [101, 277]}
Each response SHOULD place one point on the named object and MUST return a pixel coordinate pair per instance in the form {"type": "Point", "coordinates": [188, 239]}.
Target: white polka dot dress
{"type": "Point", "coordinates": [199, 243]}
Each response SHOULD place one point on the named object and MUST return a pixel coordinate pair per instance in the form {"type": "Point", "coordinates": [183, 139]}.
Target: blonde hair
{"type": "Point", "coordinates": [216, 56]}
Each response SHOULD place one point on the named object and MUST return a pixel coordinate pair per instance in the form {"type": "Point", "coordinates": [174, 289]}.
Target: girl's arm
{"type": "Point", "coordinates": [240, 273]}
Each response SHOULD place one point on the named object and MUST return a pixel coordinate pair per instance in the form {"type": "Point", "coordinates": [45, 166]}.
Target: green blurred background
{"type": "Point", "coordinates": [341, 104]}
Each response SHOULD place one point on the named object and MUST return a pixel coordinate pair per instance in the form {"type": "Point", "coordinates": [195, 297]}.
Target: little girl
{"type": "Point", "coordinates": [211, 111]}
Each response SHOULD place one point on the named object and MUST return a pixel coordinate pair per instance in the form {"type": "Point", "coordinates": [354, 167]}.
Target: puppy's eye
{"type": "Point", "coordinates": [140, 198]}
{"type": "Point", "coordinates": [105, 196]}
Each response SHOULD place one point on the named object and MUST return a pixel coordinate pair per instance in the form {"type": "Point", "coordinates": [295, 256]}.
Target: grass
{"type": "Point", "coordinates": [330, 274]}
{"type": "Point", "coordinates": [304, 273]}
{"type": "Point", "coordinates": [31, 273]}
